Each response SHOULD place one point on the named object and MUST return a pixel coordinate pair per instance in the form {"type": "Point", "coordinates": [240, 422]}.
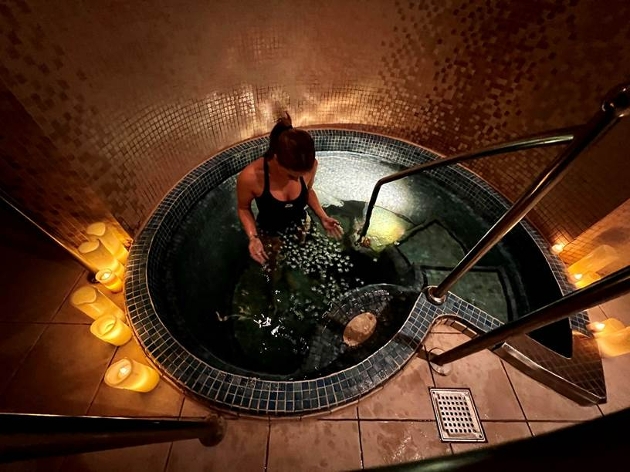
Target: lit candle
{"type": "Point", "coordinates": [605, 328]}
{"type": "Point", "coordinates": [615, 344]}
{"type": "Point", "coordinates": [585, 279]}
{"type": "Point", "coordinates": [109, 280]}
{"type": "Point", "coordinates": [111, 329]}
{"type": "Point", "coordinates": [97, 255]}
{"type": "Point", "coordinates": [94, 304]}
{"type": "Point", "coordinates": [128, 374]}
{"type": "Point", "coordinates": [105, 235]}
{"type": "Point", "coordinates": [557, 248]}
{"type": "Point", "coordinates": [593, 261]}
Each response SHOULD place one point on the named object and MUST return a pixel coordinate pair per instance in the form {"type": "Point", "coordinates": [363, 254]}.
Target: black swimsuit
{"type": "Point", "coordinates": [275, 216]}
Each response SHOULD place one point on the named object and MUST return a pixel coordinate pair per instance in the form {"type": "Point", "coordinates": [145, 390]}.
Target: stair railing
{"type": "Point", "coordinates": [615, 106]}
{"type": "Point", "coordinates": [29, 436]}
{"type": "Point", "coordinates": [611, 286]}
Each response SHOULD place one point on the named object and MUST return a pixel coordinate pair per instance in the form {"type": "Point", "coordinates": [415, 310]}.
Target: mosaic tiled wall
{"type": "Point", "coordinates": [115, 100]}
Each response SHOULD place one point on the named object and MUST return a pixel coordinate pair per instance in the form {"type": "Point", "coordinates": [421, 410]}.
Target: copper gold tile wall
{"type": "Point", "coordinates": [111, 102]}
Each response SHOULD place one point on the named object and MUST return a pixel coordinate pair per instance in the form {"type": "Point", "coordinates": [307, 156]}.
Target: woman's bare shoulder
{"type": "Point", "coordinates": [253, 174]}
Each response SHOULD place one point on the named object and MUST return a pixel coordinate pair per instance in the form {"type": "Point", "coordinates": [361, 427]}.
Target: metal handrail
{"type": "Point", "coordinates": [549, 138]}
{"type": "Point", "coordinates": [29, 436]}
{"type": "Point", "coordinates": [615, 106]}
{"type": "Point", "coordinates": [609, 287]}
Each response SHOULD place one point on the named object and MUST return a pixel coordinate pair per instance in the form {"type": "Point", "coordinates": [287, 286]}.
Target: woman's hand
{"type": "Point", "coordinates": [332, 227]}
{"type": "Point", "coordinates": [257, 251]}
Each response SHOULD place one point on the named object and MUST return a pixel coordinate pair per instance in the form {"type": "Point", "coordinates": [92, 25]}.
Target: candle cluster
{"type": "Point", "coordinates": [106, 253]}
{"type": "Point", "coordinates": [584, 271]}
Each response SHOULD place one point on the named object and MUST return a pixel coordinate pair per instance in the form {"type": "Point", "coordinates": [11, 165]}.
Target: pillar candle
{"type": "Point", "coordinates": [111, 329]}
{"type": "Point", "coordinates": [128, 374]}
{"type": "Point", "coordinates": [110, 280]}
{"type": "Point", "coordinates": [593, 261]}
{"type": "Point", "coordinates": [94, 304]}
{"type": "Point", "coordinates": [615, 344]}
{"type": "Point", "coordinates": [606, 327]}
{"type": "Point", "coordinates": [105, 235]}
{"type": "Point", "coordinates": [97, 255]}
{"type": "Point", "coordinates": [586, 279]}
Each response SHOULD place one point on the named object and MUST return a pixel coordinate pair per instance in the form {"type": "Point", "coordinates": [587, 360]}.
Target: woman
{"type": "Point", "coordinates": [281, 183]}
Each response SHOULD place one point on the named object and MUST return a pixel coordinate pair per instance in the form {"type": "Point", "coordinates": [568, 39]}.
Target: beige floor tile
{"type": "Point", "coordinates": [48, 464]}
{"type": "Point", "coordinates": [541, 403]}
{"type": "Point", "coordinates": [618, 308]}
{"type": "Point", "coordinates": [312, 445]}
{"type": "Point", "coordinates": [496, 433]}
{"type": "Point", "coordinates": [149, 458]}
{"type": "Point", "coordinates": [542, 427]}
{"type": "Point", "coordinates": [61, 374]}
{"type": "Point", "coordinates": [394, 442]}
{"type": "Point", "coordinates": [346, 413]}
{"type": "Point", "coordinates": [193, 409]}
{"type": "Point", "coordinates": [404, 397]}
{"type": "Point", "coordinates": [616, 371]}
{"type": "Point", "coordinates": [36, 286]}
{"type": "Point", "coordinates": [483, 374]}
{"type": "Point", "coordinates": [69, 314]}
{"type": "Point", "coordinates": [164, 400]}
{"type": "Point", "coordinates": [243, 449]}
{"type": "Point", "coordinates": [16, 340]}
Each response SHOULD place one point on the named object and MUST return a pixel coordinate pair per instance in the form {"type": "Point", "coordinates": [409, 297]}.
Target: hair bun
{"type": "Point", "coordinates": [285, 120]}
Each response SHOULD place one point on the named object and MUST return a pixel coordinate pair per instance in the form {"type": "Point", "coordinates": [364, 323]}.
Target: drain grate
{"type": "Point", "coordinates": [456, 414]}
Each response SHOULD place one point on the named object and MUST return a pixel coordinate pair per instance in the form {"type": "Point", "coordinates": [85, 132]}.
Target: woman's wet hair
{"type": "Point", "coordinates": [294, 148]}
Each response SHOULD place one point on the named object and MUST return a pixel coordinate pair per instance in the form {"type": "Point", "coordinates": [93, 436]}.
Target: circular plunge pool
{"type": "Point", "coordinates": [272, 342]}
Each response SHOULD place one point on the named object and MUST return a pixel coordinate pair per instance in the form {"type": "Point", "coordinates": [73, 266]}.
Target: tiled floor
{"type": "Point", "coordinates": [49, 362]}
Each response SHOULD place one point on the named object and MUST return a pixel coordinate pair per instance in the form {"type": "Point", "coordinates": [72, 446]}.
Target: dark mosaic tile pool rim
{"type": "Point", "coordinates": [254, 396]}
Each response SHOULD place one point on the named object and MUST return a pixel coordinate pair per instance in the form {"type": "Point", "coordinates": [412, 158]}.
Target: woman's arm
{"type": "Point", "coordinates": [245, 184]}
{"type": "Point", "coordinates": [331, 225]}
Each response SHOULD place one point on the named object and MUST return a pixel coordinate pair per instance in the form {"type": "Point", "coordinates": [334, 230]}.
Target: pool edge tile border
{"type": "Point", "coordinates": [250, 395]}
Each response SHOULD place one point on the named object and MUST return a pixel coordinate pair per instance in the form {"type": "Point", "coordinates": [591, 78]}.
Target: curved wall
{"type": "Point", "coordinates": [113, 102]}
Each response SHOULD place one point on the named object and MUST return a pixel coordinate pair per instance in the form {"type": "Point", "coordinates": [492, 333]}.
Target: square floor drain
{"type": "Point", "coordinates": [456, 414]}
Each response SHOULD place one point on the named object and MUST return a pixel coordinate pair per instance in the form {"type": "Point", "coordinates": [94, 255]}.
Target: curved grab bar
{"type": "Point", "coordinates": [549, 138]}
{"type": "Point", "coordinates": [612, 286]}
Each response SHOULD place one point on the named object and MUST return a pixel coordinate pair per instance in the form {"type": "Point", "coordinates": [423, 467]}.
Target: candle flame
{"type": "Point", "coordinates": [599, 326]}
{"type": "Point", "coordinates": [557, 248]}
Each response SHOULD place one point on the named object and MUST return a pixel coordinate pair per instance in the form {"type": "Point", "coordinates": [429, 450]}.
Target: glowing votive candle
{"type": "Point", "coordinates": [105, 235]}
{"type": "Point", "coordinates": [593, 261]}
{"type": "Point", "coordinates": [615, 344]}
{"type": "Point", "coordinates": [557, 248]}
{"type": "Point", "coordinates": [128, 374]}
{"type": "Point", "coordinates": [111, 329]}
{"type": "Point", "coordinates": [110, 280]}
{"type": "Point", "coordinates": [585, 279]}
{"type": "Point", "coordinates": [97, 255]}
{"type": "Point", "coordinates": [604, 328]}
{"type": "Point", "coordinates": [94, 304]}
